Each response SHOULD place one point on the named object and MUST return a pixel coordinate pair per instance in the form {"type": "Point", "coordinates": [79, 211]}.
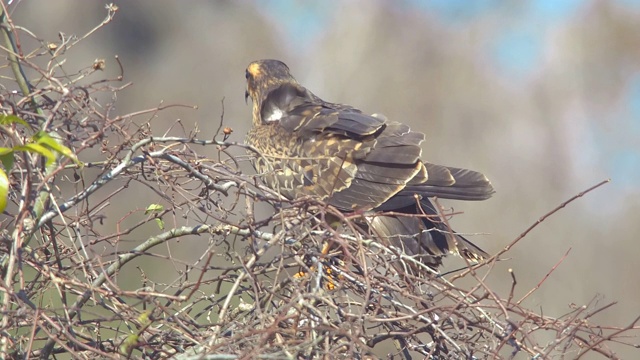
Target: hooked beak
{"type": "Point", "coordinates": [246, 96]}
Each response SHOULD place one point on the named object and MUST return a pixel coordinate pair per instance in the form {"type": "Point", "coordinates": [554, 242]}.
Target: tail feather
{"type": "Point", "coordinates": [425, 237]}
{"type": "Point", "coordinates": [452, 183]}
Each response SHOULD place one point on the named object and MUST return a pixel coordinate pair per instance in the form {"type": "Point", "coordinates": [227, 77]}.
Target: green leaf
{"type": "Point", "coordinates": [160, 223]}
{"type": "Point", "coordinates": [154, 208]}
{"type": "Point", "coordinates": [10, 119]}
{"type": "Point", "coordinates": [144, 318]}
{"type": "Point", "coordinates": [39, 149]}
{"type": "Point", "coordinates": [42, 138]}
{"type": "Point", "coordinates": [6, 157]}
{"type": "Point", "coordinates": [129, 344]}
{"type": "Point", "coordinates": [4, 190]}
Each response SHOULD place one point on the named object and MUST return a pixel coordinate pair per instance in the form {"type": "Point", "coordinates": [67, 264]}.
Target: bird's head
{"type": "Point", "coordinates": [264, 76]}
{"type": "Point", "coordinates": [272, 89]}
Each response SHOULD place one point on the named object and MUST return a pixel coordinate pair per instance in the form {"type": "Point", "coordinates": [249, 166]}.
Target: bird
{"type": "Point", "coordinates": [308, 147]}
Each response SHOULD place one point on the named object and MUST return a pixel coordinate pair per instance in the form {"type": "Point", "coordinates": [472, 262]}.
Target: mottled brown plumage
{"type": "Point", "coordinates": [355, 162]}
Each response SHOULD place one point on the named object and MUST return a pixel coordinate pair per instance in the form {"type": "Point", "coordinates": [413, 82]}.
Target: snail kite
{"type": "Point", "coordinates": [356, 162]}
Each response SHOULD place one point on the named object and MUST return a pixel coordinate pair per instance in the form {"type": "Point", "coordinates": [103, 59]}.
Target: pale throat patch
{"type": "Point", "coordinates": [275, 115]}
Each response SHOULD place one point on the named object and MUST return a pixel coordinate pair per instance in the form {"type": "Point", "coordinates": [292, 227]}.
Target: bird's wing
{"type": "Point", "coordinates": [302, 113]}
{"type": "Point", "coordinates": [353, 160]}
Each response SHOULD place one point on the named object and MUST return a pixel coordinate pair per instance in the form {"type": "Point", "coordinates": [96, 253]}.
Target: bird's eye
{"type": "Point", "coordinates": [247, 75]}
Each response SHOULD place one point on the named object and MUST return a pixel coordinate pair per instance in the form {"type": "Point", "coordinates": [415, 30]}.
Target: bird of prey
{"type": "Point", "coordinates": [356, 162]}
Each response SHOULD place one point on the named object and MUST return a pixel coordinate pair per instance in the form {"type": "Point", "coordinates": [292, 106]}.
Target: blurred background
{"type": "Point", "coordinates": [541, 96]}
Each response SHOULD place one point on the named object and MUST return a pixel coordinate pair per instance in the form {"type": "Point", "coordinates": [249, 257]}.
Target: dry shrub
{"type": "Point", "coordinates": [188, 270]}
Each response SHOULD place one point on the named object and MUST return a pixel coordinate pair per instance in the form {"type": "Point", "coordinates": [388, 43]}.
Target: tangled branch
{"type": "Point", "coordinates": [94, 259]}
